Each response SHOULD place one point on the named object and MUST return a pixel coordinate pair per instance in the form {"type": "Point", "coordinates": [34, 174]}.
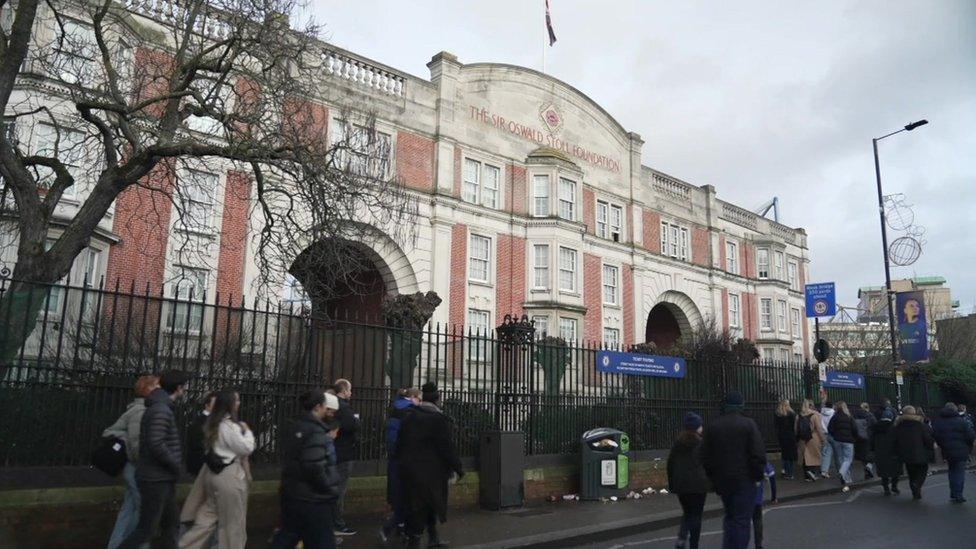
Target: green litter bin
{"type": "Point", "coordinates": [605, 467]}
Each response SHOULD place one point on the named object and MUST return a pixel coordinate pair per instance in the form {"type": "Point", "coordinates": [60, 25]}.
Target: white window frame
{"type": "Point", "coordinates": [568, 329]}
{"type": "Point", "coordinates": [675, 241]}
{"type": "Point", "coordinates": [480, 334]}
{"type": "Point", "coordinates": [611, 285]}
{"type": "Point", "coordinates": [75, 53]}
{"type": "Point", "coordinates": [68, 146]}
{"type": "Point", "coordinates": [567, 201]}
{"type": "Point", "coordinates": [474, 260]}
{"type": "Point", "coordinates": [795, 329]}
{"type": "Point", "coordinates": [541, 191]}
{"type": "Point", "coordinates": [197, 200]}
{"type": "Point", "coordinates": [784, 355]}
{"type": "Point", "coordinates": [792, 271]}
{"type": "Point", "coordinates": [781, 313]}
{"type": "Point", "coordinates": [735, 311]}
{"type": "Point", "coordinates": [732, 256]}
{"type": "Point", "coordinates": [54, 298]}
{"type": "Point", "coordinates": [609, 220]}
{"type": "Point", "coordinates": [187, 282]}
{"type": "Point", "coordinates": [762, 263]}
{"type": "Point", "coordinates": [541, 274]}
{"type": "Point", "coordinates": [766, 314]}
{"type": "Point", "coordinates": [778, 261]}
{"type": "Point", "coordinates": [366, 155]}
{"type": "Point", "coordinates": [611, 337]}
{"type": "Point", "coordinates": [541, 323]}
{"type": "Point", "coordinates": [573, 271]}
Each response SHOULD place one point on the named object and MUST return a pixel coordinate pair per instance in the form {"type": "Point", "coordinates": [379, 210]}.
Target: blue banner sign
{"type": "Point", "coordinates": [614, 362]}
{"type": "Point", "coordinates": [912, 327]}
{"type": "Point", "coordinates": [844, 380]}
{"type": "Point", "coordinates": [821, 299]}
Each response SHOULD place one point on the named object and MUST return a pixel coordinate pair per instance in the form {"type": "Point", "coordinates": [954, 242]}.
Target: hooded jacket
{"type": "Point", "coordinates": [160, 452]}
{"type": "Point", "coordinates": [732, 452]}
{"type": "Point", "coordinates": [127, 428]}
{"type": "Point", "coordinates": [913, 440]}
{"type": "Point", "coordinates": [308, 461]}
{"type": "Point", "coordinates": [685, 472]}
{"type": "Point", "coordinates": [401, 406]}
{"type": "Point", "coordinates": [954, 435]}
{"type": "Point", "coordinates": [825, 415]}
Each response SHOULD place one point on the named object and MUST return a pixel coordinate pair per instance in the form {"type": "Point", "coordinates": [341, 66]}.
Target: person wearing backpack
{"type": "Point", "coordinates": [863, 422]}
{"type": "Point", "coordinates": [227, 442]}
{"type": "Point", "coordinates": [126, 429]}
{"type": "Point", "coordinates": [687, 480]}
{"type": "Point", "coordinates": [886, 461]}
{"type": "Point", "coordinates": [810, 439]}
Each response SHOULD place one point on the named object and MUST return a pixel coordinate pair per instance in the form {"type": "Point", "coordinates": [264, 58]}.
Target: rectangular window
{"type": "Point", "coordinates": [92, 258]}
{"type": "Point", "coordinates": [190, 291]}
{"type": "Point", "coordinates": [541, 323]}
{"type": "Point", "coordinates": [778, 265]}
{"type": "Point", "coordinates": [66, 145]}
{"type": "Point", "coordinates": [610, 284]}
{"type": "Point", "coordinates": [75, 52]}
{"type": "Point", "coordinates": [611, 337]}
{"type": "Point", "coordinates": [480, 258]}
{"type": "Point", "coordinates": [784, 355]}
{"type": "Point", "coordinates": [472, 181]}
{"type": "Point", "coordinates": [683, 250]}
{"type": "Point", "coordinates": [616, 223]}
{"type": "Point", "coordinates": [791, 275]}
{"type": "Point", "coordinates": [567, 199]}
{"type": "Point", "coordinates": [540, 267]}
{"type": "Point", "coordinates": [674, 241]}
{"type": "Point", "coordinates": [540, 193]}
{"type": "Point", "coordinates": [567, 329]}
{"type": "Point", "coordinates": [766, 313]}
{"type": "Point", "coordinates": [489, 194]}
{"type": "Point", "coordinates": [362, 151]}
{"type": "Point", "coordinates": [567, 269]}
{"type": "Point", "coordinates": [732, 257]}
{"type": "Point", "coordinates": [478, 328]}
{"type": "Point", "coordinates": [196, 191]}
{"type": "Point", "coordinates": [781, 317]}
{"type": "Point", "coordinates": [609, 218]}
{"type": "Point", "coordinates": [734, 311]}
{"type": "Point", "coordinates": [664, 237]}
{"type": "Point", "coordinates": [798, 358]}
{"type": "Point", "coordinates": [795, 323]}
{"type": "Point", "coordinates": [762, 262]}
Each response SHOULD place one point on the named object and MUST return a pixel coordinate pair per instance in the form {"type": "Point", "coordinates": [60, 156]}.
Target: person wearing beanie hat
{"type": "Point", "coordinates": [886, 463]}
{"type": "Point", "coordinates": [686, 479]}
{"type": "Point", "coordinates": [429, 393]}
{"type": "Point", "coordinates": [734, 458]}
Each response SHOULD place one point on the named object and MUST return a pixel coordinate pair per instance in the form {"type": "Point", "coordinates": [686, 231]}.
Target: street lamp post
{"type": "Point", "coordinates": [884, 246]}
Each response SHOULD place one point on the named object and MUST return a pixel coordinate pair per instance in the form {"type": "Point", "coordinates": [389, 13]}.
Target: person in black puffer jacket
{"type": "Point", "coordinates": [160, 464]}
{"type": "Point", "coordinates": [864, 421]}
{"type": "Point", "coordinates": [686, 479]}
{"type": "Point", "coordinates": [913, 446]}
{"type": "Point", "coordinates": [844, 433]}
{"type": "Point", "coordinates": [888, 466]}
{"type": "Point", "coordinates": [955, 438]}
{"type": "Point", "coordinates": [309, 479]}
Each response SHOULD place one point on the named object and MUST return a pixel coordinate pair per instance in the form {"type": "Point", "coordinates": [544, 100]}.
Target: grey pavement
{"type": "Point", "coordinates": [864, 518]}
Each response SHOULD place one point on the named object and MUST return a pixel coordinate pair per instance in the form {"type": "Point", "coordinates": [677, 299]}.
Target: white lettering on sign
{"type": "Point", "coordinates": [530, 133]}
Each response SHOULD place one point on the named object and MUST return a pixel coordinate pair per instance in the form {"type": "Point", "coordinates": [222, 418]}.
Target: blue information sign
{"type": "Point", "coordinates": [821, 299]}
{"type": "Point", "coordinates": [614, 362]}
{"type": "Point", "coordinates": [844, 380]}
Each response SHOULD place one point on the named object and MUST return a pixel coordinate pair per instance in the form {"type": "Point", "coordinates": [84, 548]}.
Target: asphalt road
{"type": "Point", "coordinates": [862, 519]}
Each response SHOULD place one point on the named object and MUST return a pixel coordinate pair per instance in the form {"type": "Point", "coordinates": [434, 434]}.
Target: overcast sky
{"type": "Point", "coordinates": [759, 99]}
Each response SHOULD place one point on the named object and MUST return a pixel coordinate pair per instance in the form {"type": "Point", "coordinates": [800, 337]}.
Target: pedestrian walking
{"type": "Point", "coordinates": [769, 472]}
{"type": "Point", "coordinates": [195, 452]}
{"type": "Point", "coordinates": [395, 493]}
{"type": "Point", "coordinates": [687, 480]}
{"type": "Point", "coordinates": [843, 431]}
{"type": "Point", "coordinates": [734, 458]}
{"type": "Point", "coordinates": [968, 418]}
{"type": "Point", "coordinates": [428, 459]}
{"type": "Point", "coordinates": [887, 463]}
{"type": "Point", "coordinates": [955, 437]}
{"type": "Point", "coordinates": [345, 446]}
{"type": "Point", "coordinates": [160, 464]}
{"type": "Point", "coordinates": [830, 448]}
{"type": "Point", "coordinates": [863, 423]}
{"type": "Point", "coordinates": [810, 439]}
{"type": "Point", "coordinates": [227, 444]}
{"type": "Point", "coordinates": [785, 423]}
{"type": "Point", "coordinates": [885, 406]}
{"type": "Point", "coordinates": [309, 479]}
{"type": "Point", "coordinates": [913, 446]}
{"type": "Point", "coordinates": [126, 428]}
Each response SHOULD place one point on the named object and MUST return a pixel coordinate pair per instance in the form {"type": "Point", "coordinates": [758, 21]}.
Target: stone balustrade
{"type": "Point", "coordinates": [739, 216]}
{"type": "Point", "coordinates": [784, 232]}
{"type": "Point", "coordinates": [167, 11]}
{"type": "Point", "coordinates": [672, 188]}
{"type": "Point", "coordinates": [363, 73]}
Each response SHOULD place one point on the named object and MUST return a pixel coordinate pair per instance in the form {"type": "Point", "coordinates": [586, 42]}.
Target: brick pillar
{"type": "Point", "coordinates": [231, 261]}
{"type": "Point", "coordinates": [699, 246]}
{"type": "Point", "coordinates": [592, 299]}
{"type": "Point", "coordinates": [415, 161]}
{"type": "Point", "coordinates": [509, 277]}
{"type": "Point", "coordinates": [589, 210]}
{"type": "Point", "coordinates": [628, 281]}
{"type": "Point", "coordinates": [750, 313]}
{"type": "Point", "coordinates": [722, 257]}
{"type": "Point", "coordinates": [652, 231]}
{"type": "Point", "coordinates": [516, 193]}
{"type": "Point", "coordinates": [459, 278]}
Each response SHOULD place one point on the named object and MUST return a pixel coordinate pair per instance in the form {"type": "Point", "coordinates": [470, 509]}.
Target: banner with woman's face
{"type": "Point", "coordinates": [912, 326]}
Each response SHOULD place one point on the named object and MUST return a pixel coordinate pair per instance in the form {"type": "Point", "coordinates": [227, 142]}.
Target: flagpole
{"type": "Point", "coordinates": [545, 37]}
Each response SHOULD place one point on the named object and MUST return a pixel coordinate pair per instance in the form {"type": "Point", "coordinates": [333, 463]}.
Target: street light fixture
{"type": "Point", "coordinates": [884, 245]}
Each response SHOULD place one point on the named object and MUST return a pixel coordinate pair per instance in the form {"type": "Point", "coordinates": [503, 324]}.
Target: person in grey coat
{"type": "Point", "coordinates": [126, 428]}
{"type": "Point", "coordinates": [160, 464]}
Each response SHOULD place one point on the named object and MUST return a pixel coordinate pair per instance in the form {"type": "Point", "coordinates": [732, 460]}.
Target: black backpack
{"type": "Point", "coordinates": [804, 430]}
{"type": "Point", "coordinates": [109, 456]}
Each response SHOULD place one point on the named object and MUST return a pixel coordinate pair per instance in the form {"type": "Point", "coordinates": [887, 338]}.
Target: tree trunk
{"type": "Point", "coordinates": [20, 306]}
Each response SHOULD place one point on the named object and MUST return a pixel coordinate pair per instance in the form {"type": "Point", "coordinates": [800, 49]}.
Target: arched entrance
{"type": "Point", "coordinates": [672, 316]}
{"type": "Point", "coordinates": [342, 279]}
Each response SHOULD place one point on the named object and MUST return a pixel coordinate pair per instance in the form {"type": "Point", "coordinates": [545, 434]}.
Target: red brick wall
{"type": "Point", "coordinates": [457, 172]}
{"type": "Point", "coordinates": [510, 277]}
{"type": "Point", "coordinates": [459, 275]}
{"type": "Point", "coordinates": [515, 194]}
{"type": "Point", "coordinates": [628, 283]}
{"type": "Point", "coordinates": [307, 121]}
{"type": "Point", "coordinates": [750, 315]}
{"type": "Point", "coordinates": [652, 231]}
{"type": "Point", "coordinates": [725, 309]}
{"type": "Point", "coordinates": [592, 300]}
{"type": "Point", "coordinates": [415, 161]}
{"type": "Point", "coordinates": [747, 253]}
{"type": "Point", "coordinates": [700, 246]}
{"type": "Point", "coordinates": [722, 254]}
{"type": "Point", "coordinates": [233, 236]}
{"type": "Point", "coordinates": [153, 69]}
{"type": "Point", "coordinates": [589, 210]}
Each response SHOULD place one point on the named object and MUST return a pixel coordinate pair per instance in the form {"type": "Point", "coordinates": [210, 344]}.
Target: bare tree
{"type": "Point", "coordinates": [127, 100]}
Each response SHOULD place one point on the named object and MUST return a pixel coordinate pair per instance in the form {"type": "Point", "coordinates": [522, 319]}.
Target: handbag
{"type": "Point", "coordinates": [215, 463]}
{"type": "Point", "coordinates": [109, 456]}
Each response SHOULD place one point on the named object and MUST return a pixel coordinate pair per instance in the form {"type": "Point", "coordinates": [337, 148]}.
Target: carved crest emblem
{"type": "Point", "coordinates": [551, 117]}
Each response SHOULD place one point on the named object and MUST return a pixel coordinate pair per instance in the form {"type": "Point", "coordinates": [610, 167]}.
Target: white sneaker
{"type": "Point", "coordinates": [845, 489]}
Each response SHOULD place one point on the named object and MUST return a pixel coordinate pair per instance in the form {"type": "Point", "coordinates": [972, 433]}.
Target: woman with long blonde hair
{"type": "Point", "coordinates": [810, 439]}
{"type": "Point", "coordinates": [844, 431]}
{"type": "Point", "coordinates": [785, 423]}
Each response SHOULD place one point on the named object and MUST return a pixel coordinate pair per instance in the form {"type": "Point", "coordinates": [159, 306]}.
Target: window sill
{"type": "Point", "coordinates": [612, 305]}
{"type": "Point", "coordinates": [571, 293]}
{"type": "Point", "coordinates": [539, 290]}
{"type": "Point", "coordinates": [485, 283]}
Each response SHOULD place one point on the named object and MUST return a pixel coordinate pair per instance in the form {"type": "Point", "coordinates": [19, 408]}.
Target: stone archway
{"type": "Point", "coordinates": [673, 316]}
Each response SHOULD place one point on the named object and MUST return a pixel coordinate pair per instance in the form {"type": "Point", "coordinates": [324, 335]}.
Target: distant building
{"type": "Point", "coordinates": [938, 298]}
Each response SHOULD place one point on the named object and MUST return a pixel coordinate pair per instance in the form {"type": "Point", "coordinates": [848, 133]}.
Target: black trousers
{"type": "Point", "coordinates": [692, 507]}
{"type": "Point", "coordinates": [305, 521]}
{"type": "Point", "coordinates": [158, 512]}
{"type": "Point", "coordinates": [916, 476]}
{"type": "Point", "coordinates": [889, 483]}
{"type": "Point", "coordinates": [420, 518]}
{"type": "Point", "coordinates": [757, 527]}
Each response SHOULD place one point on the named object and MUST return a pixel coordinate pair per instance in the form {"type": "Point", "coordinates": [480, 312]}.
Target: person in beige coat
{"type": "Point", "coordinates": [228, 442]}
{"type": "Point", "coordinates": [809, 424]}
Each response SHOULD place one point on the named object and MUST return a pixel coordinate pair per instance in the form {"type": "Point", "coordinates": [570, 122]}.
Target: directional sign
{"type": "Point", "coordinates": [844, 380]}
{"type": "Point", "coordinates": [821, 299]}
{"type": "Point", "coordinates": [614, 362]}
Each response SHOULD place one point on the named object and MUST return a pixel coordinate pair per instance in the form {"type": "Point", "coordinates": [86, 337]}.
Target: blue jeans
{"type": "Point", "coordinates": [737, 525]}
{"type": "Point", "coordinates": [789, 467]}
{"type": "Point", "coordinates": [829, 449]}
{"type": "Point", "coordinates": [129, 512]}
{"type": "Point", "coordinates": [846, 458]}
{"type": "Point", "coordinates": [957, 478]}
